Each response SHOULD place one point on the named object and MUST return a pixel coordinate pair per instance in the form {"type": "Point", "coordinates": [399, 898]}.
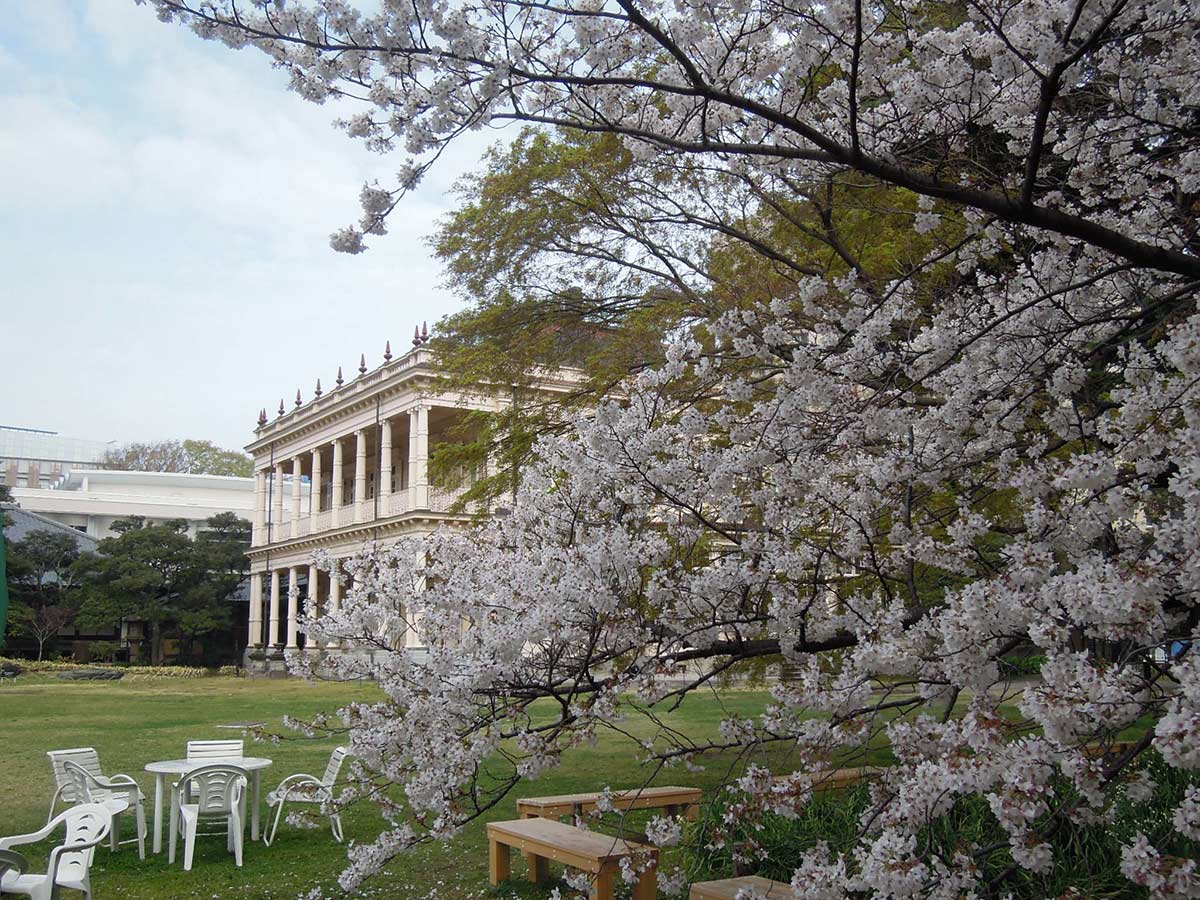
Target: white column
{"type": "Point", "coordinates": [254, 637]}
{"type": "Point", "coordinates": [412, 458]}
{"type": "Point", "coordinates": [360, 475]}
{"type": "Point", "coordinates": [260, 507]}
{"type": "Point", "coordinates": [384, 486]}
{"type": "Point", "coordinates": [335, 594]}
{"type": "Point", "coordinates": [297, 477]}
{"type": "Point", "coordinates": [274, 635]}
{"type": "Point", "coordinates": [422, 497]}
{"type": "Point", "coordinates": [293, 604]}
{"type": "Point", "coordinates": [314, 494]}
{"type": "Point", "coordinates": [277, 490]}
{"type": "Point", "coordinates": [336, 509]}
{"type": "Point", "coordinates": [314, 598]}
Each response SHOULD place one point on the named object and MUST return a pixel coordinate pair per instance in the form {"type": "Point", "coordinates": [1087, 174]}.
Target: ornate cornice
{"type": "Point", "coordinates": [360, 532]}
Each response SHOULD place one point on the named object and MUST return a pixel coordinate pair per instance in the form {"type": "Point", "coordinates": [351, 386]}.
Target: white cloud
{"type": "Point", "coordinates": [57, 156]}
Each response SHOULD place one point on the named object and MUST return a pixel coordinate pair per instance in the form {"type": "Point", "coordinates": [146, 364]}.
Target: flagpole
{"type": "Point", "coordinates": [3, 585]}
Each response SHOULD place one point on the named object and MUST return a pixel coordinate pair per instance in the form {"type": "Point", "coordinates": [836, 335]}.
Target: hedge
{"type": "Point", "coordinates": [60, 665]}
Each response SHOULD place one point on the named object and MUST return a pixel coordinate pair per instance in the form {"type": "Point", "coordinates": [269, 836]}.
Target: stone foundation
{"type": "Point", "coordinates": [261, 662]}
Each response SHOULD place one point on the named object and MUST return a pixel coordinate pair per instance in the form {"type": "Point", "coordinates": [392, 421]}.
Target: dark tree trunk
{"type": "Point", "coordinates": [155, 644]}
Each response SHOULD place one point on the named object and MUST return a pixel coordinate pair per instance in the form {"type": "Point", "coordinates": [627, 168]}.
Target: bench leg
{"type": "Point", "coordinates": [539, 868]}
{"type": "Point", "coordinates": [499, 862]}
{"type": "Point", "coordinates": [691, 812]}
{"type": "Point", "coordinates": [602, 887]}
{"type": "Point", "coordinates": [647, 885]}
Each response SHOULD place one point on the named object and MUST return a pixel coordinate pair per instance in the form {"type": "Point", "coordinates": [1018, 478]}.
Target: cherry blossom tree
{"type": "Point", "coordinates": [888, 478]}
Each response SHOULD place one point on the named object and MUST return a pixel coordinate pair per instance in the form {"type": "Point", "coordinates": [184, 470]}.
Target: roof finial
{"type": "Point", "coordinates": [281, 406]}
{"type": "Point", "coordinates": [424, 333]}
{"type": "Point", "coordinates": [339, 378]}
{"type": "Point", "coordinates": [262, 417]}
{"type": "Point", "coordinates": [387, 352]}
{"type": "Point", "coordinates": [318, 390]}
{"type": "Point", "coordinates": [362, 365]}
{"type": "Point", "coordinates": [298, 400]}
{"type": "Point", "coordinates": [416, 335]}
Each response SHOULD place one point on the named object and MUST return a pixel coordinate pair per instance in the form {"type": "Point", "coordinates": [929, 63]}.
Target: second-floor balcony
{"type": "Point", "coordinates": [370, 466]}
{"type": "Point", "coordinates": [390, 505]}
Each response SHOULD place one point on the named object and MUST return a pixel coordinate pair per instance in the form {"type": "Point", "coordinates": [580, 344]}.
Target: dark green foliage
{"type": "Point", "coordinates": [1088, 857]}
{"type": "Point", "coordinates": [43, 585]}
{"type": "Point", "coordinates": [158, 575]}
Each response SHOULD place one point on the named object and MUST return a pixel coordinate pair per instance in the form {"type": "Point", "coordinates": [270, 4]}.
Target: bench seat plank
{"type": "Point", "coordinates": [727, 888]}
{"type": "Point", "coordinates": [586, 850]}
{"type": "Point", "coordinates": [832, 779]}
{"type": "Point", "coordinates": [589, 851]}
{"type": "Point", "coordinates": [558, 805]}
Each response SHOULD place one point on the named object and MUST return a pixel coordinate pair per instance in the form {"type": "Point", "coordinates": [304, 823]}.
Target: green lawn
{"type": "Point", "coordinates": [131, 723]}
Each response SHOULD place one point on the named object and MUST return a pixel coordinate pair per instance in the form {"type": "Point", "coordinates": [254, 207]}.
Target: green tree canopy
{"type": "Point", "coordinates": [573, 253]}
{"type": "Point", "coordinates": [45, 596]}
{"type": "Point", "coordinates": [158, 575]}
{"type": "Point", "coordinates": [187, 456]}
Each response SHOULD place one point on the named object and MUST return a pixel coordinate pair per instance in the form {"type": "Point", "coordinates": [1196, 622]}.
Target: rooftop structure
{"type": "Point", "coordinates": [23, 522]}
{"type": "Point", "coordinates": [35, 458]}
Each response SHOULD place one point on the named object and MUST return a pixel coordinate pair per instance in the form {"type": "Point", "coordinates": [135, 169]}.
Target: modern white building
{"type": "Point", "coordinates": [347, 468]}
{"type": "Point", "coordinates": [90, 500]}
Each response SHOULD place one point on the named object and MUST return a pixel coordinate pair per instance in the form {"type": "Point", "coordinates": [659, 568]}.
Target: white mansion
{"type": "Point", "coordinates": [343, 470]}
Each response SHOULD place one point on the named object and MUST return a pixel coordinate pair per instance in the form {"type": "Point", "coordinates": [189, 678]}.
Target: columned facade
{"type": "Point", "coordinates": [353, 464]}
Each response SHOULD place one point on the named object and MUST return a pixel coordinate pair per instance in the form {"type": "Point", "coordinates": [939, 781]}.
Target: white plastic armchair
{"type": "Point", "coordinates": [215, 750]}
{"type": "Point", "coordinates": [304, 788]}
{"type": "Point", "coordinates": [117, 794]}
{"type": "Point", "coordinates": [87, 826]}
{"type": "Point", "coordinates": [209, 792]}
{"type": "Point", "coordinates": [14, 862]}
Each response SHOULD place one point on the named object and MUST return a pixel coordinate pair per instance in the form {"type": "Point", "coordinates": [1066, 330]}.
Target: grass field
{"type": "Point", "coordinates": [132, 723]}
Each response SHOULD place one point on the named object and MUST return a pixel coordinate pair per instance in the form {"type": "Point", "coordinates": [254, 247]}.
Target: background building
{"type": "Point", "coordinates": [34, 458]}
{"type": "Point", "coordinates": [90, 500]}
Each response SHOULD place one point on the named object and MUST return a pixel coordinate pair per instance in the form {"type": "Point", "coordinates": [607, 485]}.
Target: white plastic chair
{"type": "Point", "coordinates": [304, 788]}
{"type": "Point", "coordinates": [64, 789]}
{"type": "Point", "coordinates": [118, 794]}
{"type": "Point", "coordinates": [87, 825]}
{"type": "Point", "coordinates": [215, 749]}
{"type": "Point", "coordinates": [227, 749]}
{"type": "Point", "coordinates": [209, 792]}
{"type": "Point", "coordinates": [14, 862]}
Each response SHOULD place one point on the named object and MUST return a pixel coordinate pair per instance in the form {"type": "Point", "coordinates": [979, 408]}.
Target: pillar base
{"type": "Point", "coordinates": [267, 662]}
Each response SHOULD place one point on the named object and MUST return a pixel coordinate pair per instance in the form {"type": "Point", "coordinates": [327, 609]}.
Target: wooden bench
{"type": "Point", "coordinates": [1113, 750]}
{"type": "Point", "coordinates": [674, 800]}
{"type": "Point", "coordinates": [542, 840]}
{"type": "Point", "coordinates": [727, 888]}
{"type": "Point", "coordinates": [835, 779]}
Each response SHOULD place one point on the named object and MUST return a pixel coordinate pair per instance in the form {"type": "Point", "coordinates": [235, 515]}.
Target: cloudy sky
{"type": "Point", "coordinates": [165, 209]}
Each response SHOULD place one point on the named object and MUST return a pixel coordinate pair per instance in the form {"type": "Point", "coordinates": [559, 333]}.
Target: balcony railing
{"type": "Point", "coordinates": [390, 506]}
{"type": "Point", "coordinates": [397, 503]}
{"type": "Point", "coordinates": [441, 499]}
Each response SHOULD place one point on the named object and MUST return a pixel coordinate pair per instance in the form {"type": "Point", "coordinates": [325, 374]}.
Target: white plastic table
{"type": "Point", "coordinates": [252, 764]}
